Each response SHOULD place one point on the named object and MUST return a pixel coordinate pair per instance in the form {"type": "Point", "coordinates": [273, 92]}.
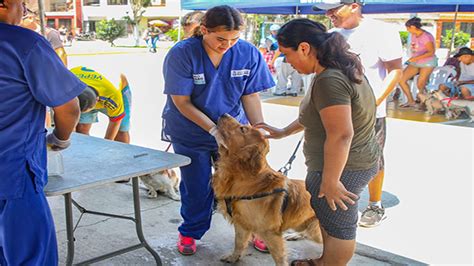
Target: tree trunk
{"type": "Point", "coordinates": [136, 34]}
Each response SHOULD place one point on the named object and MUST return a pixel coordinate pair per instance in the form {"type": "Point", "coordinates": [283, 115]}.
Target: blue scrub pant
{"type": "Point", "coordinates": [27, 235]}
{"type": "Point", "coordinates": [197, 197]}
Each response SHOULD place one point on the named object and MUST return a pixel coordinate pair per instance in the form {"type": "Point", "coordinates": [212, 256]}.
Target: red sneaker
{"type": "Point", "coordinates": [186, 245]}
{"type": "Point", "coordinates": [259, 245]}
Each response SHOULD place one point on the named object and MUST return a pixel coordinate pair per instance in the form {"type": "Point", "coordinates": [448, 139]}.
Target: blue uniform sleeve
{"type": "Point", "coordinates": [177, 72]}
{"type": "Point", "coordinates": [260, 77]}
{"type": "Point", "coordinates": [50, 82]}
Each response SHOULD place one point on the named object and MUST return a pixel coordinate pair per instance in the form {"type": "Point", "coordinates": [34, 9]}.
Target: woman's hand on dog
{"type": "Point", "coordinates": [336, 195]}
{"type": "Point", "coordinates": [272, 132]}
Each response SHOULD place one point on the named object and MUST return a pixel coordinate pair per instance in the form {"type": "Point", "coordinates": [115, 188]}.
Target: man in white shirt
{"type": "Point", "coordinates": [380, 50]}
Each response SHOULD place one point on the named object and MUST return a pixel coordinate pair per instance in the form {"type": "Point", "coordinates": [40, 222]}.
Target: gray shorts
{"type": "Point", "coordinates": [339, 224]}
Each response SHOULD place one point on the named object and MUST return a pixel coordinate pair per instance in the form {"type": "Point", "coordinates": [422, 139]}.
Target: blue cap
{"type": "Point", "coordinates": [274, 27]}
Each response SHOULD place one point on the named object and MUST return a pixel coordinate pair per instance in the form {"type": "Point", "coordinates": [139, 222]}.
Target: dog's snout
{"type": "Point", "coordinates": [223, 117]}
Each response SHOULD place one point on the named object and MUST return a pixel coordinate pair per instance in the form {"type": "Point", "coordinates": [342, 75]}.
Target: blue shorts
{"type": "Point", "coordinates": [91, 117]}
{"type": "Point", "coordinates": [431, 63]}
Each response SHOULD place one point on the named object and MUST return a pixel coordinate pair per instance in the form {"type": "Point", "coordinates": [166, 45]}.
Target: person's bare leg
{"type": "Point", "coordinates": [83, 128]}
{"type": "Point", "coordinates": [408, 73]}
{"type": "Point", "coordinates": [123, 136]}
{"type": "Point", "coordinates": [465, 92]}
{"type": "Point", "coordinates": [425, 73]}
{"type": "Point", "coordinates": [375, 187]}
{"type": "Point", "coordinates": [444, 89]}
{"type": "Point", "coordinates": [336, 251]}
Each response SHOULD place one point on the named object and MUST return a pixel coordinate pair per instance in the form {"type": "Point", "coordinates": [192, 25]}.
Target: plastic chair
{"type": "Point", "coordinates": [439, 76]}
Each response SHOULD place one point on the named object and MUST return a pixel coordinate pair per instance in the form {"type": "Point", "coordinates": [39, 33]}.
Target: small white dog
{"type": "Point", "coordinates": [165, 181]}
{"type": "Point", "coordinates": [432, 103]}
{"type": "Point", "coordinates": [454, 108]}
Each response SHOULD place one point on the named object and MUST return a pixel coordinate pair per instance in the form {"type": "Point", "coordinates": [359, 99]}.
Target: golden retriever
{"type": "Point", "coordinates": [242, 171]}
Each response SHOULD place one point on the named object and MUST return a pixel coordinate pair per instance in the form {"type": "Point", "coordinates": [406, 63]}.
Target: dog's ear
{"type": "Point", "coordinates": [251, 158]}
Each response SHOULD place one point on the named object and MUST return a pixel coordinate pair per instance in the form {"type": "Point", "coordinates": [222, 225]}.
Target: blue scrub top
{"type": "Point", "coordinates": [31, 77]}
{"type": "Point", "coordinates": [188, 70]}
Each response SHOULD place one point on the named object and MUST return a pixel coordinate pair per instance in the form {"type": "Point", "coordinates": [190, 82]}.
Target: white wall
{"type": "Point", "coordinates": [172, 9]}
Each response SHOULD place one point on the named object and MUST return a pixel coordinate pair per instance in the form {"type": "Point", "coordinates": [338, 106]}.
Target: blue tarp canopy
{"type": "Point", "coordinates": [304, 6]}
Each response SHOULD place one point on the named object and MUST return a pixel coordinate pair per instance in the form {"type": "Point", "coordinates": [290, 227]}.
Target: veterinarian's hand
{"type": "Point", "coordinates": [57, 144]}
{"type": "Point", "coordinates": [336, 195]}
{"type": "Point", "coordinates": [217, 135]}
{"type": "Point", "coordinates": [273, 132]}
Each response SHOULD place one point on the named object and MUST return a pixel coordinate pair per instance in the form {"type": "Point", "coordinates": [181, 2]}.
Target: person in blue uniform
{"type": "Point", "coordinates": [208, 75]}
{"type": "Point", "coordinates": [27, 234]}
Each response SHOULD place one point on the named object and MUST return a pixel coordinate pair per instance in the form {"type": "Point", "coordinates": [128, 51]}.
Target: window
{"type": "Point", "coordinates": [158, 2]}
{"type": "Point", "coordinates": [468, 28]}
{"type": "Point", "coordinates": [446, 26]}
{"type": "Point", "coordinates": [50, 23]}
{"type": "Point", "coordinates": [116, 2]}
{"type": "Point", "coordinates": [92, 2]}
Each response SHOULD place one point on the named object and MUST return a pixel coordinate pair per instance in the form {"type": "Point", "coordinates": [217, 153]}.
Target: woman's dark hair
{"type": "Point", "coordinates": [332, 49]}
{"type": "Point", "coordinates": [87, 99]}
{"type": "Point", "coordinates": [414, 21]}
{"type": "Point", "coordinates": [221, 18]}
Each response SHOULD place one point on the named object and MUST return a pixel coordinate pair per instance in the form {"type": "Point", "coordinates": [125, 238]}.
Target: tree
{"type": "Point", "coordinates": [404, 37]}
{"type": "Point", "coordinates": [138, 8]}
{"type": "Point", "coordinates": [460, 38]}
{"type": "Point", "coordinates": [109, 30]}
{"type": "Point", "coordinates": [173, 34]}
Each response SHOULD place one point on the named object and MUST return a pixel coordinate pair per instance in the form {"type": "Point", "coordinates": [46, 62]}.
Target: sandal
{"type": "Point", "coordinates": [407, 105]}
{"type": "Point", "coordinates": [303, 262]}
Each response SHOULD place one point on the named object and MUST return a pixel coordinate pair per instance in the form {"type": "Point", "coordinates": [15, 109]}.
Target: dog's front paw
{"type": "Point", "coordinates": [175, 197]}
{"type": "Point", "coordinates": [172, 195]}
{"type": "Point", "coordinates": [232, 258]}
{"type": "Point", "coordinates": [152, 194]}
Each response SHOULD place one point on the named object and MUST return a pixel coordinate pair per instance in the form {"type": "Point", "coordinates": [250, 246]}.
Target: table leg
{"type": "Point", "coordinates": [138, 220]}
{"type": "Point", "coordinates": [69, 228]}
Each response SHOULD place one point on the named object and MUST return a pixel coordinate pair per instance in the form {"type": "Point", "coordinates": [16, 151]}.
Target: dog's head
{"type": "Point", "coordinates": [243, 142]}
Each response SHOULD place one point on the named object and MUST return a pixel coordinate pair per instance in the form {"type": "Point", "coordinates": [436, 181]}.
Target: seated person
{"type": "Point", "coordinates": [464, 84]}
{"type": "Point", "coordinates": [113, 102]}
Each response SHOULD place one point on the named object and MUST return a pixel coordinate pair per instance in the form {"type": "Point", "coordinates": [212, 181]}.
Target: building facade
{"type": "Point", "coordinates": [83, 15]}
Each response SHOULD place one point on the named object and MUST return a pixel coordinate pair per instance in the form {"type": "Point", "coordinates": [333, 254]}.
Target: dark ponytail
{"type": "Point", "coordinates": [220, 18]}
{"type": "Point", "coordinates": [332, 49]}
{"type": "Point", "coordinates": [414, 21]}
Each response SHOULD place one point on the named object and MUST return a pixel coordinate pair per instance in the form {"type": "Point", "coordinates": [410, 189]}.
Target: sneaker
{"type": "Point", "coordinates": [186, 245]}
{"type": "Point", "coordinates": [279, 94]}
{"type": "Point", "coordinates": [293, 94]}
{"type": "Point", "coordinates": [372, 216]}
{"type": "Point", "coordinates": [259, 245]}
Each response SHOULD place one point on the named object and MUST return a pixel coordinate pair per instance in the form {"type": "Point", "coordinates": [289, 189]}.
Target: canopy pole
{"type": "Point", "coordinates": [454, 30]}
{"type": "Point", "coordinates": [41, 16]}
{"type": "Point", "coordinates": [179, 26]}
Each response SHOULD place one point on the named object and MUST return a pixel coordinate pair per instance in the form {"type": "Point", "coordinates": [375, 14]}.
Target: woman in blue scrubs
{"type": "Point", "coordinates": [208, 75]}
